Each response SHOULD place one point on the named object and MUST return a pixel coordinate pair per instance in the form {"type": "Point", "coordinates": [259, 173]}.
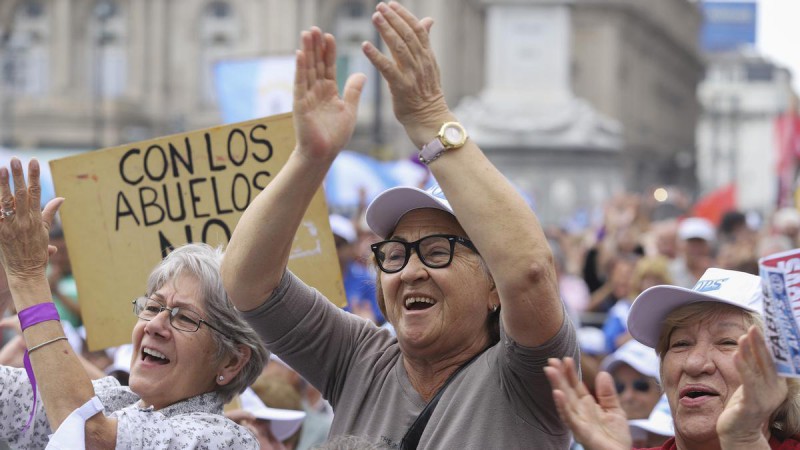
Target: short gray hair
{"type": "Point", "coordinates": [202, 262]}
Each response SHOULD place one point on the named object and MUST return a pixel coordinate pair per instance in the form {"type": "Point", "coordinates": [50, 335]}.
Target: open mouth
{"type": "Point", "coordinates": [154, 356]}
{"type": "Point", "coordinates": [419, 303]}
{"type": "Point", "coordinates": [698, 392]}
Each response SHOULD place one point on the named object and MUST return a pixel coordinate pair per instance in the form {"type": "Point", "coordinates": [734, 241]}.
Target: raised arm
{"type": "Point", "coordinates": [495, 216]}
{"type": "Point", "coordinates": [23, 254]}
{"type": "Point", "coordinates": [323, 124]}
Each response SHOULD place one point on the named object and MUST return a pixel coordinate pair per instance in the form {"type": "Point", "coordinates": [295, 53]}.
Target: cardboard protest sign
{"type": "Point", "coordinates": [127, 206]}
{"type": "Point", "coordinates": [780, 275]}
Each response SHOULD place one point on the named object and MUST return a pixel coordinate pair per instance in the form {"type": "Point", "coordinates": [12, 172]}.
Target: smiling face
{"type": "Point", "coordinates": [438, 312]}
{"type": "Point", "coordinates": [699, 374]}
{"type": "Point", "coordinates": [170, 365]}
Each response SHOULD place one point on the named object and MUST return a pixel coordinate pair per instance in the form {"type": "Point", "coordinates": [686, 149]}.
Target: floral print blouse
{"type": "Point", "coordinates": [195, 423]}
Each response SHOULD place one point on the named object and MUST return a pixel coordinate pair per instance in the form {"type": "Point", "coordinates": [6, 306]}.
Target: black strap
{"type": "Point", "coordinates": [411, 440]}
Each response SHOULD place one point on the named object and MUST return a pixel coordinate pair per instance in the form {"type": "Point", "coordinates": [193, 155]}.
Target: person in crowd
{"type": "Point", "coordinates": [656, 428]}
{"type": "Point", "coordinates": [786, 222]}
{"type": "Point", "coordinates": [192, 351]}
{"type": "Point", "coordinates": [617, 287]}
{"type": "Point", "coordinates": [276, 426]}
{"type": "Point", "coordinates": [648, 271]}
{"type": "Point", "coordinates": [696, 239]}
{"type": "Point", "coordinates": [634, 369]}
{"type": "Point", "coordinates": [359, 282]}
{"type": "Point", "coordinates": [716, 371]}
{"type": "Point", "coordinates": [319, 414]}
{"type": "Point", "coordinates": [468, 283]}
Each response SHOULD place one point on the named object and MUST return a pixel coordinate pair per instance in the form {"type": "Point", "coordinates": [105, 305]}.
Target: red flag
{"type": "Point", "coordinates": [715, 204]}
{"type": "Point", "coordinates": [787, 139]}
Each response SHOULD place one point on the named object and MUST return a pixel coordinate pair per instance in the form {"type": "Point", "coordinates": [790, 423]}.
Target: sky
{"type": "Point", "coordinates": [778, 34]}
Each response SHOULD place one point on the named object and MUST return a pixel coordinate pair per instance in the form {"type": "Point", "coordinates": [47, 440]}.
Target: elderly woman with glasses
{"type": "Point", "coordinates": [191, 351]}
{"type": "Point", "coordinates": [717, 373]}
{"type": "Point", "coordinates": [468, 283]}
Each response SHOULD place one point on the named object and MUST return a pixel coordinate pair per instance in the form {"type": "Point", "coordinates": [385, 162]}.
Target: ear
{"type": "Point", "coordinates": [494, 296]}
{"type": "Point", "coordinates": [233, 365]}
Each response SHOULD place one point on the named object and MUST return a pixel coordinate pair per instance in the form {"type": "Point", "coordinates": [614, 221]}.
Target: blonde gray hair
{"type": "Point", "coordinates": [785, 420]}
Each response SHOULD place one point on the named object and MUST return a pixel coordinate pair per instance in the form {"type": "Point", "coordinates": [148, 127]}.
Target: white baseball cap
{"type": "Point", "coordinates": [696, 228]}
{"type": "Point", "coordinates": [389, 206]}
{"type": "Point", "coordinates": [343, 227]}
{"type": "Point", "coordinates": [716, 285]}
{"type": "Point", "coordinates": [282, 422]}
{"type": "Point", "coordinates": [641, 358]}
{"type": "Point", "coordinates": [659, 422]}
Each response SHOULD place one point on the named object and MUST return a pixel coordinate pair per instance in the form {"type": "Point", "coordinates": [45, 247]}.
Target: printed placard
{"type": "Point", "coordinates": [780, 275]}
{"type": "Point", "coordinates": [126, 206]}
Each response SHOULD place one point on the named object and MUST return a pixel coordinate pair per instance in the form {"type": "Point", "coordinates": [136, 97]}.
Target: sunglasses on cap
{"type": "Point", "coordinates": [640, 385]}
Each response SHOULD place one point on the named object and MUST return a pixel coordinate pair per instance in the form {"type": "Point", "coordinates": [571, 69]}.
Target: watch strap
{"type": "Point", "coordinates": [431, 151]}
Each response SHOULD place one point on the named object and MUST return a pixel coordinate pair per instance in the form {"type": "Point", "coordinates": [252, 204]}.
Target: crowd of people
{"type": "Point", "coordinates": [468, 325]}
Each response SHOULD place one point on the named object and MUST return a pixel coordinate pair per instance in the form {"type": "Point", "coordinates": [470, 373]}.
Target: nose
{"type": "Point", "coordinates": [699, 361]}
{"type": "Point", "coordinates": [414, 270]}
{"type": "Point", "coordinates": [159, 324]}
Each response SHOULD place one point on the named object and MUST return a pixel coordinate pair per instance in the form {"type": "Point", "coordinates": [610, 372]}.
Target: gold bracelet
{"type": "Point", "coordinates": [36, 347]}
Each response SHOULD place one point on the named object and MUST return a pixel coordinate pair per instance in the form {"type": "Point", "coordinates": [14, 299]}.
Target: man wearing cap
{"type": "Point", "coordinates": [696, 237]}
{"type": "Point", "coordinates": [467, 281]}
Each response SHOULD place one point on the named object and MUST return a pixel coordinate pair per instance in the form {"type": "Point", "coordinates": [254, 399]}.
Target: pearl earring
{"type": "Point", "coordinates": [221, 378]}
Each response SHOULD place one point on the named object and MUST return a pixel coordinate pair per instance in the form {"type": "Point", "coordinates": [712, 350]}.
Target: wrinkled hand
{"type": "Point", "coordinates": [24, 235]}
{"type": "Point", "coordinates": [413, 74]}
{"type": "Point", "coordinates": [598, 426]}
{"type": "Point", "coordinates": [323, 121]}
{"type": "Point", "coordinates": [762, 391]}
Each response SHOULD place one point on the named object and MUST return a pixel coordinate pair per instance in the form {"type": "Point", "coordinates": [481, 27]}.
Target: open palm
{"type": "Point", "coordinates": [323, 121]}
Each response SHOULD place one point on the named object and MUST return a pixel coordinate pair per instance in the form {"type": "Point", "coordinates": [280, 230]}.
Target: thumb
{"type": "Point", "coordinates": [606, 392]}
{"type": "Point", "coordinates": [50, 210]}
{"type": "Point", "coordinates": [427, 23]}
{"type": "Point", "coordinates": [352, 89]}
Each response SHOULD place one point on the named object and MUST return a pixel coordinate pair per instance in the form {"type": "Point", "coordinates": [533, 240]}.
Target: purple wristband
{"type": "Point", "coordinates": [42, 312]}
{"type": "Point", "coordinates": [29, 317]}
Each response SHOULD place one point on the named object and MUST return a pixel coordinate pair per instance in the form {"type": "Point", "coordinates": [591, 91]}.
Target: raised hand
{"type": "Point", "coordinates": [413, 74]}
{"type": "Point", "coordinates": [598, 426]}
{"type": "Point", "coordinates": [24, 227]}
{"type": "Point", "coordinates": [748, 411]}
{"type": "Point", "coordinates": [323, 121]}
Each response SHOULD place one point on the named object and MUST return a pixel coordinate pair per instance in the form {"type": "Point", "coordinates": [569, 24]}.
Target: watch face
{"type": "Point", "coordinates": [453, 136]}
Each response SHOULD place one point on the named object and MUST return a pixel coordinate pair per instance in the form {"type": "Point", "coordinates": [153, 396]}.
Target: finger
{"type": "Point", "coordinates": [308, 52]}
{"type": "Point", "coordinates": [427, 24]}
{"type": "Point", "coordinates": [50, 210]}
{"type": "Point", "coordinates": [330, 56]}
{"type": "Point", "coordinates": [574, 379]}
{"type": "Point", "coordinates": [6, 198]}
{"type": "Point", "coordinates": [387, 22]}
{"type": "Point", "coordinates": [606, 392]}
{"type": "Point", "coordinates": [761, 353]}
{"type": "Point", "coordinates": [319, 51]}
{"type": "Point", "coordinates": [300, 74]}
{"type": "Point", "coordinates": [353, 88]}
{"type": "Point", "coordinates": [34, 187]}
{"type": "Point", "coordinates": [412, 23]}
{"type": "Point", "coordinates": [20, 187]}
{"type": "Point", "coordinates": [384, 65]}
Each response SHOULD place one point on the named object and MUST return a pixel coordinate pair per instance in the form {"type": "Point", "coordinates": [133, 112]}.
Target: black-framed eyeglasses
{"type": "Point", "coordinates": [183, 319]}
{"type": "Point", "coordinates": [435, 251]}
{"type": "Point", "coordinates": [640, 385]}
